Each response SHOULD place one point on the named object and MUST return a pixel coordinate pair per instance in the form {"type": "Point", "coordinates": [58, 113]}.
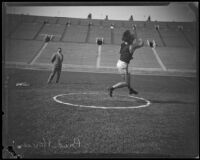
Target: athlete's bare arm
{"type": "Point", "coordinates": [138, 43]}
{"type": "Point", "coordinates": [53, 58]}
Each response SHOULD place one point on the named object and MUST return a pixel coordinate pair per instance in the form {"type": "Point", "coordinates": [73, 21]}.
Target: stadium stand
{"type": "Point", "coordinates": [11, 23]}
{"type": "Point", "coordinates": [41, 19]}
{"type": "Point", "coordinates": [74, 21]}
{"type": "Point", "coordinates": [107, 23]}
{"type": "Point", "coordinates": [173, 25]}
{"type": "Point", "coordinates": [190, 35]}
{"type": "Point", "coordinates": [118, 32]}
{"type": "Point", "coordinates": [100, 31]}
{"type": "Point", "coordinates": [139, 24]}
{"type": "Point", "coordinates": [75, 33]}
{"type": "Point", "coordinates": [162, 25]}
{"type": "Point", "coordinates": [62, 20]}
{"type": "Point", "coordinates": [149, 25]}
{"type": "Point", "coordinates": [26, 31]}
{"type": "Point", "coordinates": [128, 24]}
{"type": "Point", "coordinates": [96, 22]}
{"type": "Point", "coordinates": [85, 22]}
{"type": "Point", "coordinates": [21, 50]}
{"type": "Point", "coordinates": [30, 27]}
{"type": "Point", "coordinates": [52, 29]}
{"type": "Point", "coordinates": [75, 54]}
{"type": "Point", "coordinates": [28, 19]}
{"type": "Point", "coordinates": [174, 38]}
{"type": "Point", "coordinates": [117, 24]}
{"type": "Point", "coordinates": [149, 34]}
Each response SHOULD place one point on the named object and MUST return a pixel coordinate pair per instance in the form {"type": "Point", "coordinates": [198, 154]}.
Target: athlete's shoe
{"type": "Point", "coordinates": [132, 91]}
{"type": "Point", "coordinates": [110, 90]}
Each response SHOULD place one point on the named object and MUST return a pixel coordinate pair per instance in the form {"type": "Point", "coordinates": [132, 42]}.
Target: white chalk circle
{"type": "Point", "coordinates": [55, 98]}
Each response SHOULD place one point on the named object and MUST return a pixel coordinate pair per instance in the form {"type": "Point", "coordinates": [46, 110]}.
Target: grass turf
{"type": "Point", "coordinates": [41, 126]}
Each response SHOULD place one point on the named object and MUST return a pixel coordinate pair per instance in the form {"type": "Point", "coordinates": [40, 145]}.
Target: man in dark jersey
{"type": "Point", "coordinates": [57, 60]}
{"type": "Point", "coordinates": [129, 45]}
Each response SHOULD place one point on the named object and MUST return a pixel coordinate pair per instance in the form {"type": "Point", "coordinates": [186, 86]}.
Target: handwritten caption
{"type": "Point", "coordinates": [47, 143]}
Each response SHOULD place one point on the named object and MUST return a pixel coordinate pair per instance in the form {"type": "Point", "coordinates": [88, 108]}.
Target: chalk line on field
{"type": "Point", "coordinates": [39, 53]}
{"type": "Point", "coordinates": [158, 59]}
{"type": "Point", "coordinates": [100, 107]}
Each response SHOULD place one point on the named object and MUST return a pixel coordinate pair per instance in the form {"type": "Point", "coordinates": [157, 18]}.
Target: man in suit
{"type": "Point", "coordinates": [57, 60]}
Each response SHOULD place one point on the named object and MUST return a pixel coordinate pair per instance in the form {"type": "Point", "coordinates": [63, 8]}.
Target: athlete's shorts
{"type": "Point", "coordinates": [122, 67]}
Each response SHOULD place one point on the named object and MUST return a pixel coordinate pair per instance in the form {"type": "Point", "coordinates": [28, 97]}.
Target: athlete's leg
{"type": "Point", "coordinates": [128, 81]}
{"type": "Point", "coordinates": [51, 76]}
{"type": "Point", "coordinates": [58, 75]}
{"type": "Point", "coordinates": [123, 83]}
{"type": "Point", "coordinates": [119, 85]}
{"type": "Point", "coordinates": [122, 68]}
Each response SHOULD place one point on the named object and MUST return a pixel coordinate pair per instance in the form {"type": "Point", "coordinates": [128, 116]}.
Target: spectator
{"type": "Point", "coordinates": [90, 16]}
{"type": "Point", "coordinates": [131, 18]}
{"type": "Point", "coordinates": [68, 23]}
{"type": "Point", "coordinates": [47, 39]}
{"type": "Point", "coordinates": [106, 17]}
{"type": "Point", "coordinates": [149, 19]}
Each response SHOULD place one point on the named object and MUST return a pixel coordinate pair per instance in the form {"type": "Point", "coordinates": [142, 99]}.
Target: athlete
{"type": "Point", "coordinates": [57, 60]}
{"type": "Point", "coordinates": [129, 44]}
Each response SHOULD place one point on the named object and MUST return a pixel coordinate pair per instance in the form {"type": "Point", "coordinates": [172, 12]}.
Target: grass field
{"type": "Point", "coordinates": [41, 126]}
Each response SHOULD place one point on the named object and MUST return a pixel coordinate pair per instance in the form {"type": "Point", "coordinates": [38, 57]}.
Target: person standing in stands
{"type": "Point", "coordinates": [57, 60]}
{"type": "Point", "coordinates": [129, 44]}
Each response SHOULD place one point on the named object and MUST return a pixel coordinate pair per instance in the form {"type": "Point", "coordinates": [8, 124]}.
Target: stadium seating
{"type": "Point", "coordinates": [100, 31]}
{"type": "Point", "coordinates": [21, 50]}
{"type": "Point", "coordinates": [149, 25]}
{"type": "Point", "coordinates": [52, 29]}
{"type": "Point", "coordinates": [139, 24]}
{"type": "Point", "coordinates": [75, 33]}
{"type": "Point", "coordinates": [117, 24]}
{"type": "Point", "coordinates": [174, 38]}
{"type": "Point", "coordinates": [190, 34]}
{"type": "Point", "coordinates": [74, 21]}
{"type": "Point", "coordinates": [42, 19]}
{"type": "Point", "coordinates": [149, 34]}
{"type": "Point", "coordinates": [85, 22]}
{"type": "Point", "coordinates": [26, 31]}
{"type": "Point", "coordinates": [26, 36]}
{"type": "Point", "coordinates": [128, 24]}
{"type": "Point", "coordinates": [118, 32]}
{"type": "Point", "coordinates": [62, 20]}
{"type": "Point", "coordinates": [11, 23]}
{"type": "Point", "coordinates": [18, 27]}
{"type": "Point", "coordinates": [28, 19]}
{"type": "Point", "coordinates": [75, 54]}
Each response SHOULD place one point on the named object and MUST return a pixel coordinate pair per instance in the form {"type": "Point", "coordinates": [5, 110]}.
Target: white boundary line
{"type": "Point", "coordinates": [98, 57]}
{"type": "Point", "coordinates": [39, 53]}
{"type": "Point", "coordinates": [158, 59]}
{"type": "Point", "coordinates": [100, 107]}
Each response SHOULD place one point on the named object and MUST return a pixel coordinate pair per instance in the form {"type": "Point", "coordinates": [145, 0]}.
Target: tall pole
{"type": "Point", "coordinates": [99, 43]}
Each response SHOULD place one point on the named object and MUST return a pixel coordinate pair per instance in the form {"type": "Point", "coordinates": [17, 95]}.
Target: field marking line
{"type": "Point", "coordinates": [159, 60]}
{"type": "Point", "coordinates": [39, 53]}
{"type": "Point", "coordinates": [98, 57]}
{"type": "Point", "coordinates": [92, 67]}
{"type": "Point", "coordinates": [100, 107]}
